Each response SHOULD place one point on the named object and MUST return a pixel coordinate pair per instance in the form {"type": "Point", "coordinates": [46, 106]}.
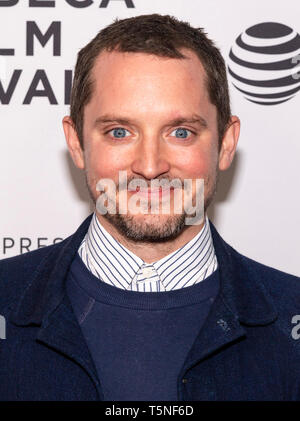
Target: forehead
{"type": "Point", "coordinates": [149, 86]}
{"type": "Point", "coordinates": [130, 68]}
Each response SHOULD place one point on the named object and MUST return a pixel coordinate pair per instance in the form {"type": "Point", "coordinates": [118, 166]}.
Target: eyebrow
{"type": "Point", "coordinates": [194, 119]}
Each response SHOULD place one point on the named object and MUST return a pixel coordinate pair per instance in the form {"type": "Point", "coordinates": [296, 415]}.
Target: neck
{"type": "Point", "coordinates": [151, 251]}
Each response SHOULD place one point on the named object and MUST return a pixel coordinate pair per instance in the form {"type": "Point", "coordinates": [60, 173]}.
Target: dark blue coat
{"type": "Point", "coordinates": [245, 350]}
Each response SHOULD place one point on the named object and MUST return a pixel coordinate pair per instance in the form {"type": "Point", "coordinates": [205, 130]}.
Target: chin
{"type": "Point", "coordinates": [148, 228]}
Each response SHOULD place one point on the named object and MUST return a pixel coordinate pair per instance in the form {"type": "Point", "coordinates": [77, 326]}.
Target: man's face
{"type": "Point", "coordinates": [151, 117]}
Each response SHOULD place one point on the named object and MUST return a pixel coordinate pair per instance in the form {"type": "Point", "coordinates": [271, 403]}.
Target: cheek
{"type": "Point", "coordinates": [103, 162]}
{"type": "Point", "coordinates": [198, 164]}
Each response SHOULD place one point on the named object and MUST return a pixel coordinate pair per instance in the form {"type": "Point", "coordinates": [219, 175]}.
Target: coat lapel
{"type": "Point", "coordinates": [62, 333]}
{"type": "Point", "coordinates": [241, 301]}
{"type": "Point", "coordinates": [46, 305]}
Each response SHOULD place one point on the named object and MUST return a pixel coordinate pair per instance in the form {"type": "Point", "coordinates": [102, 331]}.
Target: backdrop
{"type": "Point", "coordinates": [43, 197]}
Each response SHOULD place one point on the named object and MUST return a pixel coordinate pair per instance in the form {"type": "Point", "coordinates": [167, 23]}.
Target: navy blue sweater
{"type": "Point", "coordinates": [138, 340]}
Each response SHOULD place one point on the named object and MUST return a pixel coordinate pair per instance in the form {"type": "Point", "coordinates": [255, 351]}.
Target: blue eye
{"type": "Point", "coordinates": [181, 133]}
{"type": "Point", "coordinates": [119, 132]}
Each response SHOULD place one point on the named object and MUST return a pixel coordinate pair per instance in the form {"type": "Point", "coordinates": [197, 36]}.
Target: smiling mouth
{"type": "Point", "coordinates": [149, 193]}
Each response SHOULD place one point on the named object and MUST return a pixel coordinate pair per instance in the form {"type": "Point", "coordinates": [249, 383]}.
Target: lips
{"type": "Point", "coordinates": [153, 192]}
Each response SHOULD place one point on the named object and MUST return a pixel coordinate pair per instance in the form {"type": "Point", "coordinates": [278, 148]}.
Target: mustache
{"type": "Point", "coordinates": [134, 182]}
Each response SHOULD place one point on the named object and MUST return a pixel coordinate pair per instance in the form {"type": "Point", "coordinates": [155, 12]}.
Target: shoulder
{"type": "Point", "coordinates": [17, 272]}
{"type": "Point", "coordinates": [244, 267]}
{"type": "Point", "coordinates": [282, 287]}
{"type": "Point", "coordinates": [271, 277]}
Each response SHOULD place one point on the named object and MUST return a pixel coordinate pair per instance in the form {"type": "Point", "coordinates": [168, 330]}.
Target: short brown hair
{"type": "Point", "coordinates": [153, 34]}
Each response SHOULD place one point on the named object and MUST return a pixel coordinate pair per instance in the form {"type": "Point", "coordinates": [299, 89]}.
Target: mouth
{"type": "Point", "coordinates": [153, 193]}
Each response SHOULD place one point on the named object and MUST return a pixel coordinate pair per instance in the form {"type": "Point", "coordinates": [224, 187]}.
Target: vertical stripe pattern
{"type": "Point", "coordinates": [114, 264]}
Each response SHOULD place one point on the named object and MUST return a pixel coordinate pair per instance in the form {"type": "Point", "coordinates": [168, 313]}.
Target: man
{"type": "Point", "coordinates": [139, 304]}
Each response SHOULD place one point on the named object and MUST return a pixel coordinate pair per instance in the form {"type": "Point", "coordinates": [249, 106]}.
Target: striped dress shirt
{"type": "Point", "coordinates": [114, 264]}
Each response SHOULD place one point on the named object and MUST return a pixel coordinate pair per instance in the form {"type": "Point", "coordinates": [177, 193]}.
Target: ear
{"type": "Point", "coordinates": [73, 142]}
{"type": "Point", "coordinates": [229, 143]}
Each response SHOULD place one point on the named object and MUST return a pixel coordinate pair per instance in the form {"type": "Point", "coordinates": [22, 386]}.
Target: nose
{"type": "Point", "coordinates": [151, 159]}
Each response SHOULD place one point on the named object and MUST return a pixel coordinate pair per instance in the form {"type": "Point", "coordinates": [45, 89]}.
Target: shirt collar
{"type": "Point", "coordinates": [113, 263]}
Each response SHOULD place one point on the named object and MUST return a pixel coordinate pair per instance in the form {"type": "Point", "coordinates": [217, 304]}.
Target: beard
{"type": "Point", "coordinates": [155, 228]}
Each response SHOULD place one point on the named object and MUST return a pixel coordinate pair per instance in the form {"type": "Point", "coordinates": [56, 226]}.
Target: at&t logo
{"type": "Point", "coordinates": [264, 63]}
